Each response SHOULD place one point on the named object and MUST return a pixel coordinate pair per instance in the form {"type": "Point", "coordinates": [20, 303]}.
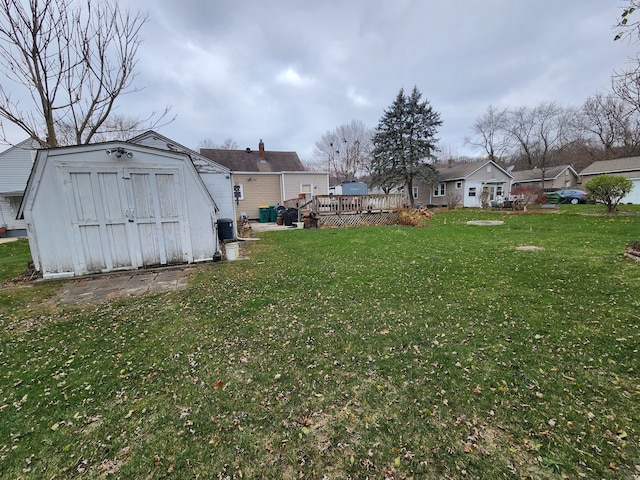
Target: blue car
{"type": "Point", "coordinates": [573, 196]}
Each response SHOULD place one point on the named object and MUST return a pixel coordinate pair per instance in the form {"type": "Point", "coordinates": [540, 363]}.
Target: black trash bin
{"type": "Point", "coordinates": [225, 229]}
{"type": "Point", "coordinates": [290, 216]}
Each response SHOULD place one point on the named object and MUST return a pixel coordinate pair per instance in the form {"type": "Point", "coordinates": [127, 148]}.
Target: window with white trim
{"type": "Point", "coordinates": [458, 185]}
{"type": "Point", "coordinates": [415, 192]}
{"type": "Point", "coordinates": [440, 190]}
{"type": "Point", "coordinates": [306, 188]}
{"type": "Point", "coordinates": [472, 191]}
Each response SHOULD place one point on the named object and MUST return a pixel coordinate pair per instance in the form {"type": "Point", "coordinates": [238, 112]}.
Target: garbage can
{"type": "Point", "coordinates": [291, 216]}
{"type": "Point", "coordinates": [554, 198]}
{"type": "Point", "coordinates": [264, 213]}
{"type": "Point", "coordinates": [272, 213]}
{"type": "Point", "coordinates": [225, 229]}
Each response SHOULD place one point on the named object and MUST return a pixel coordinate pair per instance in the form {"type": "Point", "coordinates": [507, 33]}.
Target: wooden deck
{"type": "Point", "coordinates": [350, 210]}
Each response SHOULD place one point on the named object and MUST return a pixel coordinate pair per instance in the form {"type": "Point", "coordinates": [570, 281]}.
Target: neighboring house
{"type": "Point", "coordinates": [216, 177]}
{"type": "Point", "coordinates": [349, 188]}
{"type": "Point", "coordinates": [464, 183]}
{"type": "Point", "coordinates": [116, 206]}
{"type": "Point", "coordinates": [263, 178]}
{"type": "Point", "coordinates": [555, 178]}
{"type": "Point", "coordinates": [624, 167]}
{"type": "Point", "coordinates": [15, 166]}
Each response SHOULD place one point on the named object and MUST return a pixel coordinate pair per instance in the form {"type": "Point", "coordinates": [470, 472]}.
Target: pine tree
{"type": "Point", "coordinates": [404, 142]}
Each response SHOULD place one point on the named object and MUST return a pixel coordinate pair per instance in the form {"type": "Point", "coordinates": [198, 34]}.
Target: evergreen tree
{"type": "Point", "coordinates": [403, 144]}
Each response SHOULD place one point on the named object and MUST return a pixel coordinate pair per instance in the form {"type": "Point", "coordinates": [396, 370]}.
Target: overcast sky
{"type": "Point", "coordinates": [288, 71]}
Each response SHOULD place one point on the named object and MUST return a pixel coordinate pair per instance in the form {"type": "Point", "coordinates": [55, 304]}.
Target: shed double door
{"type": "Point", "coordinates": [127, 218]}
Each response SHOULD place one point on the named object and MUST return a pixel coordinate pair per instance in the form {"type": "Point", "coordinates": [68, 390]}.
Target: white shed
{"type": "Point", "coordinates": [116, 206]}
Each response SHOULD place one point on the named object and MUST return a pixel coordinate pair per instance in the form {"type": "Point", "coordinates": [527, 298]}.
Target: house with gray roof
{"type": "Point", "coordinates": [464, 184]}
{"type": "Point", "coordinates": [555, 178]}
{"type": "Point", "coordinates": [265, 177]}
{"type": "Point", "coordinates": [628, 167]}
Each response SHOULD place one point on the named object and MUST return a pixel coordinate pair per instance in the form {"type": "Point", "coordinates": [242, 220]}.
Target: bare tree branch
{"type": "Point", "coordinates": [75, 59]}
{"type": "Point", "coordinates": [345, 151]}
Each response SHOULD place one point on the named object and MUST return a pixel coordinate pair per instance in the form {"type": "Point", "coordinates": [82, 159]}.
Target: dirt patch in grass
{"type": "Point", "coordinates": [485, 223]}
{"type": "Point", "coordinates": [529, 248]}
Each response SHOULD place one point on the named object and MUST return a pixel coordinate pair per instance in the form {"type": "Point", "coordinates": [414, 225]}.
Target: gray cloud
{"type": "Point", "coordinates": [290, 70]}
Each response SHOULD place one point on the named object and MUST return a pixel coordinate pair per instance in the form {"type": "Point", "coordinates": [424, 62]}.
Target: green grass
{"type": "Point", "coordinates": [386, 352]}
{"type": "Point", "coordinates": [14, 257]}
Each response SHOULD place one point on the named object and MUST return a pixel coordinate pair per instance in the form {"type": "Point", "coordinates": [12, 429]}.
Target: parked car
{"type": "Point", "coordinates": [573, 196]}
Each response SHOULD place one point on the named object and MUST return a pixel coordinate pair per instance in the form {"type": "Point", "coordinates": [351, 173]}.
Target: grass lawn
{"type": "Point", "coordinates": [380, 352]}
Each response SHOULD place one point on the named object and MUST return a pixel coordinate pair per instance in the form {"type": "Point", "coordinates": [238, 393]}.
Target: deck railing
{"type": "Point", "coordinates": [350, 204]}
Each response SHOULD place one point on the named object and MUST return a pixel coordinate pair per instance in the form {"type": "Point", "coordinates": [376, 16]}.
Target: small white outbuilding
{"type": "Point", "coordinates": [116, 206]}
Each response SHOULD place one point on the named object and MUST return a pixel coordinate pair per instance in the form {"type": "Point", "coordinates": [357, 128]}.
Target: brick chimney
{"type": "Point", "coordinates": [261, 153]}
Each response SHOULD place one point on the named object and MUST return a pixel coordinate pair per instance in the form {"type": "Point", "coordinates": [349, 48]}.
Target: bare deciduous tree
{"type": "Point", "coordinates": [228, 144]}
{"type": "Point", "coordinates": [612, 123]}
{"type": "Point", "coordinates": [551, 123]}
{"type": "Point", "coordinates": [345, 152]}
{"type": "Point", "coordinates": [489, 134]}
{"type": "Point", "coordinates": [74, 59]}
{"type": "Point", "coordinates": [538, 133]}
{"type": "Point", "coordinates": [520, 125]}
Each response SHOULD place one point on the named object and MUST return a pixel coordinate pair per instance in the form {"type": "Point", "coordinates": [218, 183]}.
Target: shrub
{"type": "Point", "coordinates": [415, 217]}
{"type": "Point", "coordinates": [609, 189]}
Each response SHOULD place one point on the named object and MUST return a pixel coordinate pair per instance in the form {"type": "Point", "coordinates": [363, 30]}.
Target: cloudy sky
{"type": "Point", "coordinates": [288, 71]}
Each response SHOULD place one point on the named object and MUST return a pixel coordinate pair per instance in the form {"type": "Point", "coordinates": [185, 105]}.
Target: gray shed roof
{"type": "Point", "coordinates": [202, 163]}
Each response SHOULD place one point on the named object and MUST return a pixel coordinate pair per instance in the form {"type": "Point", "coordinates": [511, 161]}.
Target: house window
{"type": "Point", "coordinates": [415, 192]}
{"type": "Point", "coordinates": [238, 192]}
{"type": "Point", "coordinates": [472, 191]}
{"type": "Point", "coordinates": [499, 190]}
{"type": "Point", "coordinates": [458, 185]}
{"type": "Point", "coordinates": [306, 188]}
{"type": "Point", "coordinates": [440, 190]}
{"type": "Point", "coordinates": [489, 168]}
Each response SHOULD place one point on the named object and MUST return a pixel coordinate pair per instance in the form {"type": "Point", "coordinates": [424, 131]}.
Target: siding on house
{"type": "Point", "coordinates": [294, 182]}
{"type": "Point", "coordinates": [259, 189]}
{"type": "Point", "coordinates": [15, 166]}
